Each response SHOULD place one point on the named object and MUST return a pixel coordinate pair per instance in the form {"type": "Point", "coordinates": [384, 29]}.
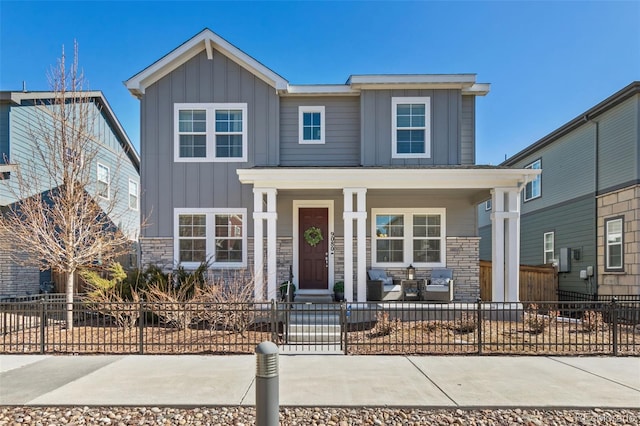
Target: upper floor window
{"type": "Point", "coordinates": [210, 132]}
{"type": "Point", "coordinates": [214, 235]}
{"type": "Point", "coordinates": [133, 194]}
{"type": "Point", "coordinates": [614, 240]}
{"type": "Point", "coordinates": [410, 127]}
{"type": "Point", "coordinates": [487, 205]}
{"type": "Point", "coordinates": [549, 247]}
{"type": "Point", "coordinates": [532, 190]}
{"type": "Point", "coordinates": [409, 236]}
{"type": "Point", "coordinates": [311, 125]}
{"type": "Point", "coordinates": [103, 181]}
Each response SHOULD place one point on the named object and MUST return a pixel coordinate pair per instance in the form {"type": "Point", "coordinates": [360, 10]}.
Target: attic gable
{"type": "Point", "coordinates": [206, 40]}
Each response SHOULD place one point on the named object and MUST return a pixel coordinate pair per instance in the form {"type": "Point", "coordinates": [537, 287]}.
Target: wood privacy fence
{"type": "Point", "coordinates": [537, 283]}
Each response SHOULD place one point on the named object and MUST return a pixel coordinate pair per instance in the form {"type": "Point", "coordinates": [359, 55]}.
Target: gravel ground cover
{"type": "Point", "coordinates": [244, 416]}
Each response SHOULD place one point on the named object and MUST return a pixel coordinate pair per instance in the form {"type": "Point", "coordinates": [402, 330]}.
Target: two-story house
{"type": "Point", "coordinates": [583, 212]}
{"type": "Point", "coordinates": [115, 171]}
{"type": "Point", "coordinates": [250, 172]}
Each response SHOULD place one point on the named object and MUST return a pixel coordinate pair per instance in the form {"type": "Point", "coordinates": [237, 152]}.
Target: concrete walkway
{"type": "Point", "coordinates": [323, 380]}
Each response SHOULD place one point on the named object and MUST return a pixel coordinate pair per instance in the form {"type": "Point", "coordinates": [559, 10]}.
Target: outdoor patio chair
{"type": "Point", "coordinates": [440, 286]}
{"type": "Point", "coordinates": [375, 284]}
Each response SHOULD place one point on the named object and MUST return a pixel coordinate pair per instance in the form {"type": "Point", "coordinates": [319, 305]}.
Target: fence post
{"type": "Point", "coordinates": [479, 322]}
{"type": "Point", "coordinates": [274, 321]}
{"type": "Point", "coordinates": [141, 320]}
{"type": "Point", "coordinates": [614, 324]}
{"type": "Point", "coordinates": [43, 320]}
{"type": "Point", "coordinates": [343, 327]}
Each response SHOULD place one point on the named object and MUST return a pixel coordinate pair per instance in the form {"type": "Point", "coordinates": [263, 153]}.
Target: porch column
{"type": "Point", "coordinates": [259, 215]}
{"type": "Point", "coordinates": [360, 215]}
{"type": "Point", "coordinates": [497, 245]}
{"type": "Point", "coordinates": [512, 246]}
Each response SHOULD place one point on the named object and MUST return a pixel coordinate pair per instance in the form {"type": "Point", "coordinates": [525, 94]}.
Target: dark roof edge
{"type": "Point", "coordinates": [612, 101]}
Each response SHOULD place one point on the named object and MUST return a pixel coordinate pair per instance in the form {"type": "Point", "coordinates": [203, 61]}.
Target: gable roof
{"type": "Point", "coordinates": [98, 98]}
{"type": "Point", "coordinates": [204, 40]}
{"type": "Point", "coordinates": [207, 40]}
{"type": "Point", "coordinates": [604, 106]}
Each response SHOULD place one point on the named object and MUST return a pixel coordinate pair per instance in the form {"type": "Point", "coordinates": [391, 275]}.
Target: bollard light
{"type": "Point", "coordinates": [267, 387]}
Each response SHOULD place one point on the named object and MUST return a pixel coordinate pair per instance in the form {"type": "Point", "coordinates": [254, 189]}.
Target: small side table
{"type": "Point", "coordinates": [411, 287]}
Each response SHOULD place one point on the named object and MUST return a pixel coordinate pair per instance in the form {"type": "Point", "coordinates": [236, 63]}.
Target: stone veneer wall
{"type": "Point", "coordinates": [15, 279]}
{"type": "Point", "coordinates": [624, 202]}
{"type": "Point", "coordinates": [462, 257]}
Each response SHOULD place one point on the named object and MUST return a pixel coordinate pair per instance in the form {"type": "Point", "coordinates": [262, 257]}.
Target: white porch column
{"type": "Point", "coordinates": [512, 247]}
{"type": "Point", "coordinates": [360, 215]}
{"type": "Point", "coordinates": [271, 216]}
{"type": "Point", "coordinates": [497, 245]}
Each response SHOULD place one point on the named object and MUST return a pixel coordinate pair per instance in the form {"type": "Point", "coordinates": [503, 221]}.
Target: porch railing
{"type": "Point", "coordinates": [38, 326]}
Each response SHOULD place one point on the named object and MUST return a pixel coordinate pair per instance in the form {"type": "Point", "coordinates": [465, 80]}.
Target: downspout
{"type": "Point", "coordinates": [596, 178]}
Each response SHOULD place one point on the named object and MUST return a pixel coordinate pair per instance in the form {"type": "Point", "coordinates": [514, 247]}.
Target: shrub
{"type": "Point", "coordinates": [467, 323]}
{"type": "Point", "coordinates": [592, 321]}
{"type": "Point", "coordinates": [536, 320]}
{"type": "Point", "coordinates": [384, 326]}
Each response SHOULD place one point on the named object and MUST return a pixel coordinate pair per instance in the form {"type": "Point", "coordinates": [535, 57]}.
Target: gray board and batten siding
{"type": "Point", "coordinates": [342, 138]}
{"type": "Point", "coordinates": [202, 184]}
{"type": "Point", "coordinates": [451, 130]}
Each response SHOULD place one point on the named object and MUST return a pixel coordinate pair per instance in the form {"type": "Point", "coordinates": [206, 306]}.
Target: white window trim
{"type": "Point", "coordinates": [427, 125]}
{"type": "Point", "coordinates": [608, 222]}
{"type": "Point", "coordinates": [137, 194]}
{"type": "Point", "coordinates": [210, 236]}
{"type": "Point", "coordinates": [408, 237]}
{"type": "Point", "coordinates": [487, 205]}
{"type": "Point", "coordinates": [108, 182]}
{"type": "Point", "coordinates": [553, 248]}
{"type": "Point", "coordinates": [537, 179]}
{"type": "Point", "coordinates": [301, 111]}
{"type": "Point", "coordinates": [210, 109]}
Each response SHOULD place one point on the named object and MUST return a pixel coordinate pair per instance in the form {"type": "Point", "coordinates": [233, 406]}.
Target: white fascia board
{"type": "Point", "coordinates": [4, 168]}
{"type": "Point", "coordinates": [457, 81]}
{"type": "Point", "coordinates": [320, 90]}
{"type": "Point", "coordinates": [478, 89]}
{"type": "Point", "coordinates": [382, 178]}
{"type": "Point", "coordinates": [140, 81]}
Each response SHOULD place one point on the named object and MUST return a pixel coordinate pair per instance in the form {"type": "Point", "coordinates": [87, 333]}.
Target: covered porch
{"type": "Point", "coordinates": [359, 193]}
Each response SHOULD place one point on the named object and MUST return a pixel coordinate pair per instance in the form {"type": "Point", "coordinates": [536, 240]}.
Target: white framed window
{"type": "Point", "coordinates": [210, 132]}
{"type": "Point", "coordinates": [411, 127]}
{"type": "Point", "coordinates": [214, 235]}
{"type": "Point", "coordinates": [487, 205]}
{"type": "Point", "coordinates": [614, 240]}
{"type": "Point", "coordinates": [408, 236]}
{"type": "Point", "coordinates": [133, 195]}
{"type": "Point", "coordinates": [311, 129]}
{"type": "Point", "coordinates": [549, 247]}
{"type": "Point", "coordinates": [103, 182]}
{"type": "Point", "coordinates": [533, 190]}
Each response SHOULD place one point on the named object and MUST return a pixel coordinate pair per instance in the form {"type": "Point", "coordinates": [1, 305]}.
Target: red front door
{"type": "Point", "coordinates": [313, 258]}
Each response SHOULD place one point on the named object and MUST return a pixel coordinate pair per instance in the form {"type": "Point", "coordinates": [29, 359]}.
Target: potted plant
{"type": "Point", "coordinates": [338, 291]}
{"type": "Point", "coordinates": [287, 291]}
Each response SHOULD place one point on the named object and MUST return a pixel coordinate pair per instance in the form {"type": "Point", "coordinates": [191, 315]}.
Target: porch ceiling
{"type": "Point", "coordinates": [385, 178]}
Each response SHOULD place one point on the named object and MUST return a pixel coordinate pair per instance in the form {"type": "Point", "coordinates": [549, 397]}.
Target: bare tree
{"type": "Point", "coordinates": [65, 219]}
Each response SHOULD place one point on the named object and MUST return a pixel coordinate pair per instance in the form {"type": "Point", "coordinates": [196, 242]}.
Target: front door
{"type": "Point", "coordinates": [313, 248]}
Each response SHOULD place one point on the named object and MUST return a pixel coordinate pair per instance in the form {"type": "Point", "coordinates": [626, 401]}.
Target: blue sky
{"type": "Point", "coordinates": [547, 62]}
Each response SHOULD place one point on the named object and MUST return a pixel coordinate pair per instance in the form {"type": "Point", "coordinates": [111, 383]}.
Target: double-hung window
{"type": "Point", "coordinates": [103, 181]}
{"type": "Point", "coordinates": [210, 132]}
{"type": "Point", "coordinates": [409, 236]}
{"type": "Point", "coordinates": [410, 127]}
{"type": "Point", "coordinates": [214, 235]}
{"type": "Point", "coordinates": [311, 124]}
{"type": "Point", "coordinates": [614, 240]}
{"type": "Point", "coordinates": [549, 247]}
{"type": "Point", "coordinates": [133, 194]}
{"type": "Point", "coordinates": [532, 190]}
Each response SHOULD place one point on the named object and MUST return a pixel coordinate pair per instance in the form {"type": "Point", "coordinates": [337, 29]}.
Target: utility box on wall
{"type": "Point", "coordinates": [564, 263]}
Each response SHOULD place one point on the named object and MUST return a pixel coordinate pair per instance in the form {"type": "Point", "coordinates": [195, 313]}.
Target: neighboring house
{"type": "Point", "coordinates": [583, 211]}
{"type": "Point", "coordinates": [116, 172]}
{"type": "Point", "coordinates": [252, 173]}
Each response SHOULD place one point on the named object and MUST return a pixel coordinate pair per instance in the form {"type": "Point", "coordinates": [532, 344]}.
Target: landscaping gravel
{"type": "Point", "coordinates": [244, 416]}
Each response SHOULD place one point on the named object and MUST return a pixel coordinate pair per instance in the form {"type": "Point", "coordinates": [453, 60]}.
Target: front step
{"type": "Point", "coordinates": [313, 298]}
{"type": "Point", "coordinates": [317, 323]}
{"type": "Point", "coordinates": [312, 333]}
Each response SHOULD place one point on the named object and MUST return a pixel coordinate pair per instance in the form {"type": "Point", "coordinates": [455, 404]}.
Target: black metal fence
{"type": "Point", "coordinates": [37, 325]}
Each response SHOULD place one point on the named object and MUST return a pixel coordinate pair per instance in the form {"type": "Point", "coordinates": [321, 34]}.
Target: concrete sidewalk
{"type": "Point", "coordinates": [323, 380]}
